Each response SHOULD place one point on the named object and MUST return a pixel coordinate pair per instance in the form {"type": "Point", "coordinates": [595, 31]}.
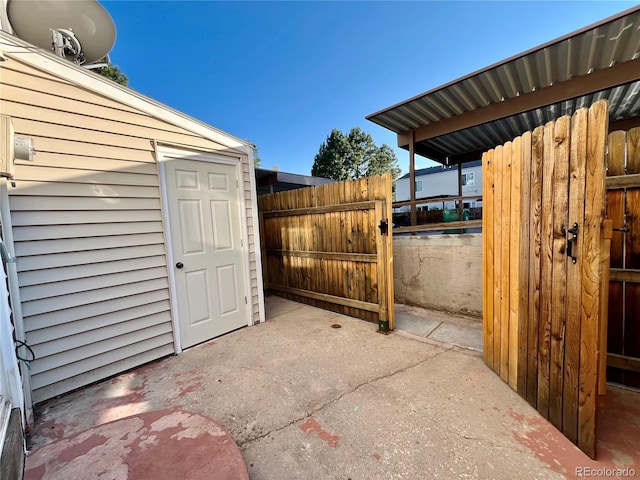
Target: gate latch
{"type": "Point", "coordinates": [571, 240]}
{"type": "Point", "coordinates": [384, 227]}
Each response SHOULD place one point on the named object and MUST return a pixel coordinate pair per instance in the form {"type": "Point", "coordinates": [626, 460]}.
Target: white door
{"type": "Point", "coordinates": [204, 216]}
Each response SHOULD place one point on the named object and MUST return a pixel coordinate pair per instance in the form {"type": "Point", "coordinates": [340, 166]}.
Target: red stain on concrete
{"type": "Point", "coordinates": [161, 444]}
{"type": "Point", "coordinates": [311, 425]}
{"type": "Point", "coordinates": [376, 456]}
{"type": "Point", "coordinates": [81, 448]}
{"type": "Point", "coordinates": [618, 434]}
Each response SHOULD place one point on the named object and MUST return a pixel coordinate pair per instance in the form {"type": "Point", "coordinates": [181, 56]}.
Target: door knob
{"type": "Point", "coordinates": [179, 265]}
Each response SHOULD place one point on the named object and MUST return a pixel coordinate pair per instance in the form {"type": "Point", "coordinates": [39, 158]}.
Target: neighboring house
{"type": "Point", "coordinates": [134, 225]}
{"type": "Point", "coordinates": [442, 181]}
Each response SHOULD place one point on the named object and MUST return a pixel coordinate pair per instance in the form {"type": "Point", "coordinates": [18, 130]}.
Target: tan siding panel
{"type": "Point", "coordinates": [81, 360]}
{"type": "Point", "coordinates": [73, 300]}
{"type": "Point", "coordinates": [79, 148]}
{"type": "Point", "coordinates": [114, 122]}
{"type": "Point", "coordinates": [34, 173]}
{"type": "Point", "coordinates": [29, 203]}
{"type": "Point", "coordinates": [83, 217]}
{"type": "Point", "coordinates": [47, 232]}
{"type": "Point", "coordinates": [77, 133]}
{"type": "Point", "coordinates": [61, 189]}
{"type": "Point", "coordinates": [38, 277]}
{"type": "Point", "coordinates": [64, 245]}
{"type": "Point", "coordinates": [102, 372]}
{"type": "Point", "coordinates": [79, 340]}
{"type": "Point", "coordinates": [48, 290]}
{"type": "Point", "coordinates": [45, 262]}
{"type": "Point", "coordinates": [91, 164]}
{"type": "Point", "coordinates": [93, 309]}
{"type": "Point", "coordinates": [32, 81]}
{"type": "Point", "coordinates": [63, 330]}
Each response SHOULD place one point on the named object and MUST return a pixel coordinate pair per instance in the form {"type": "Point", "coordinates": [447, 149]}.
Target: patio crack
{"type": "Point", "coordinates": [243, 443]}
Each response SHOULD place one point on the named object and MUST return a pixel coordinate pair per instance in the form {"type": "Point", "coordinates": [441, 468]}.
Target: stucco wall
{"type": "Point", "coordinates": [439, 271]}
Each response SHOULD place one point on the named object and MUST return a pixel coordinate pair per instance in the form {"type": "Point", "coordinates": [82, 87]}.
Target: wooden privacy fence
{"type": "Point", "coordinates": [623, 209]}
{"type": "Point", "coordinates": [330, 246]}
{"type": "Point", "coordinates": [543, 254]}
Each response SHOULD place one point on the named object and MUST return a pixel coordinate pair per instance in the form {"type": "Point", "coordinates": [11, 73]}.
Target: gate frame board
{"type": "Point", "coordinates": [544, 311]}
{"type": "Point", "coordinates": [304, 231]}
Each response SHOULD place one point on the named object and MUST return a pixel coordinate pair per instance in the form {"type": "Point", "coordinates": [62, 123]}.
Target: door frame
{"type": "Point", "coordinates": [163, 153]}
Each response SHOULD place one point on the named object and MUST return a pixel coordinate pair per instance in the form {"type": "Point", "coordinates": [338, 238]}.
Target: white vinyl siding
{"type": "Point", "coordinates": [88, 230]}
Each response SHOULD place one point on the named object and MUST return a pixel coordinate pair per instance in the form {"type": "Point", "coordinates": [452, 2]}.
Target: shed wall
{"type": "Point", "coordinates": [88, 230]}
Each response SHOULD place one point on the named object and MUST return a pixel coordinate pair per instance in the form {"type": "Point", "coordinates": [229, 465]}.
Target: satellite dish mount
{"type": "Point", "coordinates": [65, 44]}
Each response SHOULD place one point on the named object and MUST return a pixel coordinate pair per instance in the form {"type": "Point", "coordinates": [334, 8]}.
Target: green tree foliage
{"type": "Point", "coordinates": [354, 155]}
{"type": "Point", "coordinates": [113, 72]}
{"type": "Point", "coordinates": [256, 153]}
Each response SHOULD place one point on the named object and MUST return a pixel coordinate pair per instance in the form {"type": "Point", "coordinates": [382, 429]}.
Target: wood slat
{"type": "Point", "coordinates": [487, 257]}
{"type": "Point", "coordinates": [546, 267]}
{"type": "Point", "coordinates": [594, 212]}
{"type": "Point", "coordinates": [605, 259]}
{"type": "Point", "coordinates": [577, 166]}
{"type": "Point", "coordinates": [633, 151]}
{"type": "Point", "coordinates": [623, 181]}
{"type": "Point", "coordinates": [514, 261]}
{"type": "Point", "coordinates": [439, 226]}
{"type": "Point", "coordinates": [624, 275]}
{"type": "Point", "coordinates": [498, 165]}
{"type": "Point", "coordinates": [559, 266]}
{"type": "Point", "coordinates": [344, 207]}
{"type": "Point", "coordinates": [524, 261]}
{"type": "Point", "coordinates": [622, 362]}
{"type": "Point", "coordinates": [535, 264]}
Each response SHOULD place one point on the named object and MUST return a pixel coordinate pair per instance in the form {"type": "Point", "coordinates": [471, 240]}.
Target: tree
{"type": "Point", "coordinates": [112, 72]}
{"type": "Point", "coordinates": [354, 155]}
{"type": "Point", "coordinates": [256, 153]}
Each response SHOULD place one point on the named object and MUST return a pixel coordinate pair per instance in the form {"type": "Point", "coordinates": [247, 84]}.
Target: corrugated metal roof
{"type": "Point", "coordinates": [609, 43]}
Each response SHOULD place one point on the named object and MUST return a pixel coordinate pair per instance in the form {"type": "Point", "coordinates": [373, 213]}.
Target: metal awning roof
{"type": "Point", "coordinates": [273, 181]}
{"type": "Point", "coordinates": [458, 121]}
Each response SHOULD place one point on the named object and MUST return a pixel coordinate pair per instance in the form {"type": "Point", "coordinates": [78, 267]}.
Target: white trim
{"type": "Point", "coordinates": [173, 298]}
{"type": "Point", "coordinates": [256, 236]}
{"type": "Point", "coordinates": [43, 60]}
{"type": "Point", "coordinates": [164, 153]}
{"type": "Point", "coordinates": [14, 297]}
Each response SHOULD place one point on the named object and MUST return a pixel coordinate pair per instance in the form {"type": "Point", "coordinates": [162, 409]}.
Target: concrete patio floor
{"type": "Point", "coordinates": [303, 400]}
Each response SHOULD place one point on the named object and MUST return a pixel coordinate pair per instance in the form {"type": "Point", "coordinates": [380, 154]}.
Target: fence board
{"type": "Point", "coordinates": [574, 277]}
{"type": "Point", "coordinates": [546, 283]}
{"type": "Point", "coordinates": [523, 260]}
{"type": "Point", "coordinates": [487, 256]}
{"type": "Point", "coordinates": [559, 275]}
{"type": "Point", "coordinates": [535, 264]}
{"type": "Point", "coordinates": [497, 259]}
{"type": "Point", "coordinates": [589, 322]}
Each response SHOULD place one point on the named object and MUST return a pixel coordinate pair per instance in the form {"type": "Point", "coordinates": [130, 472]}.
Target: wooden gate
{"type": "Point", "coordinates": [543, 253]}
{"type": "Point", "coordinates": [330, 246]}
{"type": "Point", "coordinates": [623, 208]}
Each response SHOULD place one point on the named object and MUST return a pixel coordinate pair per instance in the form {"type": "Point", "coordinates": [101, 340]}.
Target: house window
{"type": "Point", "coordinates": [418, 186]}
{"type": "Point", "coordinates": [468, 180]}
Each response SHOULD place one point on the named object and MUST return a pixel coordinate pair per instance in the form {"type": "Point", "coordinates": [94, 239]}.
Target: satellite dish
{"type": "Point", "coordinates": [84, 27]}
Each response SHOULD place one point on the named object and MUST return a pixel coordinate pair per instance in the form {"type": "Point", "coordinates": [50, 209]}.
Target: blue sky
{"type": "Point", "coordinates": [283, 74]}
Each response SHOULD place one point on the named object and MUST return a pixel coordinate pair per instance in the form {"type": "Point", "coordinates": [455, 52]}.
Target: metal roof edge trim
{"type": "Point", "coordinates": [575, 33]}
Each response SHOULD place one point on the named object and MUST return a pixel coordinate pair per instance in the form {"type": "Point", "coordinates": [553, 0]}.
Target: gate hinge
{"type": "Point", "coordinates": [384, 227]}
